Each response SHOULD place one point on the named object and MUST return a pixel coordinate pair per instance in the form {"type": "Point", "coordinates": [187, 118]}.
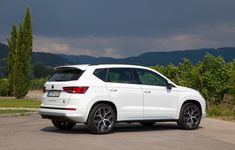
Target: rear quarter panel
{"type": "Point", "coordinates": [97, 92]}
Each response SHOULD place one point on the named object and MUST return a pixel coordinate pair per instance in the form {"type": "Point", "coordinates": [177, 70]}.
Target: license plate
{"type": "Point", "coordinates": [53, 94]}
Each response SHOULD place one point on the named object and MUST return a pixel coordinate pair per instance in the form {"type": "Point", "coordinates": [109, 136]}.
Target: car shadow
{"type": "Point", "coordinates": [120, 127]}
{"type": "Point", "coordinates": [140, 128]}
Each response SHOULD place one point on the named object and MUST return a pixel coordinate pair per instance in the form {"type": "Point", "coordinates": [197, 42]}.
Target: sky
{"type": "Point", "coordinates": [122, 28]}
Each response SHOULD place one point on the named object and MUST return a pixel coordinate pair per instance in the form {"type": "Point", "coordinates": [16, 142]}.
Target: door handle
{"type": "Point", "coordinates": [113, 90]}
{"type": "Point", "coordinates": [147, 91]}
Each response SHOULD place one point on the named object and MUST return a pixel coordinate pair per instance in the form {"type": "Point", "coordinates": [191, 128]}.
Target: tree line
{"type": "Point", "coordinates": [213, 77]}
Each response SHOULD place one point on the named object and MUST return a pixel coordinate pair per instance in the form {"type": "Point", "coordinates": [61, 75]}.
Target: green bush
{"type": "Point", "coordinates": [38, 84]}
{"type": "Point", "coordinates": [212, 77]}
{"type": "Point", "coordinates": [221, 110]}
{"type": "Point", "coordinates": [4, 87]}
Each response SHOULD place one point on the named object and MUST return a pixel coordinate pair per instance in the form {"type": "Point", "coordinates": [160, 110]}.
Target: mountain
{"type": "Point", "coordinates": [3, 55]}
{"type": "Point", "coordinates": [154, 58]}
{"type": "Point", "coordinates": [47, 59]}
{"type": "Point", "coordinates": [146, 59]}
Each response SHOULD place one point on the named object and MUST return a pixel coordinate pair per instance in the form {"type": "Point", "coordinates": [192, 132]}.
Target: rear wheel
{"type": "Point", "coordinates": [102, 119]}
{"type": "Point", "coordinates": [190, 116]}
{"type": "Point", "coordinates": [63, 124]}
{"type": "Point", "coordinates": [147, 124]}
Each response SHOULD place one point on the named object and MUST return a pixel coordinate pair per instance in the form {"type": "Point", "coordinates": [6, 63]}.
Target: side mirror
{"type": "Point", "coordinates": [169, 86]}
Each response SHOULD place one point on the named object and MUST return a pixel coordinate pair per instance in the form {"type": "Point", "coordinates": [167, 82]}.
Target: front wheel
{"type": "Point", "coordinates": [190, 116]}
{"type": "Point", "coordinates": [102, 119]}
{"type": "Point", "coordinates": [63, 124]}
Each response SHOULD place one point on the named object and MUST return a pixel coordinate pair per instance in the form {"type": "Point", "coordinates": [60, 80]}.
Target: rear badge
{"type": "Point", "coordinates": [63, 101]}
{"type": "Point", "coordinates": [52, 87]}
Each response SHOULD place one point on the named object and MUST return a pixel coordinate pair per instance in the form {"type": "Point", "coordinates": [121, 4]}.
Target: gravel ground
{"type": "Point", "coordinates": [32, 132]}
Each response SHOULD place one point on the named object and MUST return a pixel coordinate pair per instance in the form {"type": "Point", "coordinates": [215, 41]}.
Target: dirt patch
{"type": "Point", "coordinates": [34, 94]}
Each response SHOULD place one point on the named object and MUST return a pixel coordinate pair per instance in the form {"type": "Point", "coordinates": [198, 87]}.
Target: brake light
{"type": "Point", "coordinates": [76, 89]}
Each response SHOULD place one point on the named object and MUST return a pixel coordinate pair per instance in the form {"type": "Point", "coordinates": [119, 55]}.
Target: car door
{"type": "Point", "coordinates": [159, 102]}
{"type": "Point", "coordinates": [125, 93]}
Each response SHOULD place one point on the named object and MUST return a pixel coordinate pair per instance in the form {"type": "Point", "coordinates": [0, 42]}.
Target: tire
{"type": "Point", "coordinates": [63, 124]}
{"type": "Point", "coordinates": [147, 124]}
{"type": "Point", "coordinates": [102, 119]}
{"type": "Point", "coordinates": [190, 116]}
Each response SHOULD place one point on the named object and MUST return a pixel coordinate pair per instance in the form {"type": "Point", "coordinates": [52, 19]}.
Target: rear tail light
{"type": "Point", "coordinates": [76, 89]}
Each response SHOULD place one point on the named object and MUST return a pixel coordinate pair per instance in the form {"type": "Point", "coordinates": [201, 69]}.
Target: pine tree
{"type": "Point", "coordinates": [28, 36]}
{"type": "Point", "coordinates": [11, 58]}
{"type": "Point", "coordinates": [23, 56]}
{"type": "Point", "coordinates": [19, 85]}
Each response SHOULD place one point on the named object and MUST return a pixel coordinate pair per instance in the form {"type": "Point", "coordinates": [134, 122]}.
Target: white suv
{"type": "Point", "coordinates": [101, 95]}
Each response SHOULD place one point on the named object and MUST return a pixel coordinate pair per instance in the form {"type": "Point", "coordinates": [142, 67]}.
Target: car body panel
{"type": "Point", "coordinates": [159, 102]}
{"type": "Point", "coordinates": [131, 100]}
{"type": "Point", "coordinates": [128, 99]}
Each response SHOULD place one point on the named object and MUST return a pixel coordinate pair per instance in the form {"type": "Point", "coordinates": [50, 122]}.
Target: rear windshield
{"type": "Point", "coordinates": [66, 74]}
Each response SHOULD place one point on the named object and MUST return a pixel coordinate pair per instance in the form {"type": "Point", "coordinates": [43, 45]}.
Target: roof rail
{"type": "Point", "coordinates": [111, 64]}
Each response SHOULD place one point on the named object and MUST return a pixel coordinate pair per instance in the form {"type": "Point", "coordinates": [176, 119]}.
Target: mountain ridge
{"type": "Point", "coordinates": [146, 59]}
{"type": "Point", "coordinates": [155, 58]}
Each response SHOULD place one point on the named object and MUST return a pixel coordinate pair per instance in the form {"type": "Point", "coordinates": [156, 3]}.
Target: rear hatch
{"type": "Point", "coordinates": [62, 77]}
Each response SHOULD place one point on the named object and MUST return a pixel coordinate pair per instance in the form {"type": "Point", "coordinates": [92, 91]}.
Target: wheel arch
{"type": "Point", "coordinates": [196, 102]}
{"type": "Point", "coordinates": [192, 101]}
{"type": "Point", "coordinates": [111, 104]}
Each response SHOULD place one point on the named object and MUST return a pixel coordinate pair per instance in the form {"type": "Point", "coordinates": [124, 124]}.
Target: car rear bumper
{"type": "Point", "coordinates": [62, 114]}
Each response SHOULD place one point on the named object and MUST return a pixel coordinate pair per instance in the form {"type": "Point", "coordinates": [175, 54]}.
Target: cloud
{"type": "Point", "coordinates": [123, 18]}
{"type": "Point", "coordinates": [112, 52]}
{"type": "Point", "coordinates": [45, 44]}
{"type": "Point", "coordinates": [207, 37]}
{"type": "Point", "coordinates": [123, 28]}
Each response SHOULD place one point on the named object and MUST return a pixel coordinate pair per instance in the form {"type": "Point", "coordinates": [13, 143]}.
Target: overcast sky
{"type": "Point", "coordinates": [121, 28]}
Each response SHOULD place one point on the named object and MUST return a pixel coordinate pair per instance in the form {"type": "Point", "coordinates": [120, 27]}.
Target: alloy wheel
{"type": "Point", "coordinates": [103, 119]}
{"type": "Point", "coordinates": [192, 116]}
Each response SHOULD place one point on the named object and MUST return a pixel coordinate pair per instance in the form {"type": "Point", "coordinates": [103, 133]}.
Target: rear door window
{"type": "Point", "coordinates": [120, 75]}
{"type": "Point", "coordinates": [66, 74]}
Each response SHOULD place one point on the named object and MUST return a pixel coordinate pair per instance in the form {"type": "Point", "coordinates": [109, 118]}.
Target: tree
{"type": "Point", "coordinates": [215, 78]}
{"type": "Point", "coordinates": [11, 58]}
{"type": "Point", "coordinates": [28, 36]}
{"type": "Point", "coordinates": [41, 71]}
{"type": "Point", "coordinates": [186, 78]}
{"type": "Point", "coordinates": [159, 68]}
{"type": "Point", "coordinates": [23, 56]}
{"type": "Point", "coordinates": [232, 79]}
{"type": "Point", "coordinates": [172, 72]}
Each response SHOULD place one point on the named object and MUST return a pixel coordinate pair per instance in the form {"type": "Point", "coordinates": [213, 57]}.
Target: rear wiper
{"type": "Point", "coordinates": [59, 80]}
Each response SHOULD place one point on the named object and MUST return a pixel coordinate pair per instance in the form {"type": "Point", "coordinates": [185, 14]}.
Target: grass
{"type": "Point", "coordinates": [13, 111]}
{"type": "Point", "coordinates": [19, 103]}
{"type": "Point", "coordinates": [223, 112]}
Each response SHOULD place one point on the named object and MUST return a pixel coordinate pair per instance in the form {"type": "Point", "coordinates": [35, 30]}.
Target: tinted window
{"type": "Point", "coordinates": [150, 78]}
{"type": "Point", "coordinates": [100, 73]}
{"type": "Point", "coordinates": [120, 75]}
{"type": "Point", "coordinates": [66, 74]}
